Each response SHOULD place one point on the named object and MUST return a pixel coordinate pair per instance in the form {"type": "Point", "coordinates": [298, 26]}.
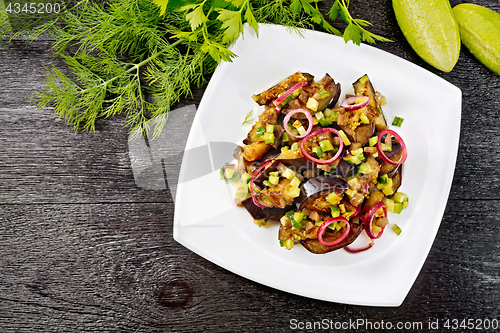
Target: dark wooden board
{"type": "Point", "coordinates": [83, 248]}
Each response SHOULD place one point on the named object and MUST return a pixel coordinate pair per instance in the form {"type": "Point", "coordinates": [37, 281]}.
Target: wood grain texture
{"type": "Point", "coordinates": [83, 248]}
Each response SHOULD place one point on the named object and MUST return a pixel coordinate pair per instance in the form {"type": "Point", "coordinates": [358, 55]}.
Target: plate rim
{"type": "Point", "coordinates": [443, 197]}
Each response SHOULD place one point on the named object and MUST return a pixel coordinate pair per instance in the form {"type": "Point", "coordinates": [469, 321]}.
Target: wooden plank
{"type": "Point", "coordinates": [116, 267]}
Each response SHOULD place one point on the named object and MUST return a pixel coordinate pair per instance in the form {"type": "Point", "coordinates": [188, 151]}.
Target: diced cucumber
{"type": "Point", "coordinates": [324, 122]}
{"type": "Point", "coordinates": [326, 145]}
{"type": "Point", "coordinates": [398, 207]}
{"type": "Point", "coordinates": [323, 93]}
{"type": "Point", "coordinates": [288, 173]}
{"type": "Point", "coordinates": [333, 117]}
{"type": "Point", "coordinates": [274, 180]}
{"type": "Point", "coordinates": [260, 131]}
{"type": "Point", "coordinates": [301, 130]}
{"type": "Point", "coordinates": [333, 198]}
{"type": "Point", "coordinates": [268, 138]}
{"type": "Point", "coordinates": [312, 104]}
{"type": "Point", "coordinates": [335, 211]}
{"type": "Point", "coordinates": [318, 151]}
{"type": "Point", "coordinates": [245, 178]}
{"type": "Point", "coordinates": [364, 119]}
{"type": "Point", "coordinates": [365, 168]}
{"type": "Point", "coordinates": [383, 179]}
{"type": "Point", "coordinates": [285, 137]}
{"type": "Point", "coordinates": [344, 138]}
{"type": "Point", "coordinates": [293, 192]}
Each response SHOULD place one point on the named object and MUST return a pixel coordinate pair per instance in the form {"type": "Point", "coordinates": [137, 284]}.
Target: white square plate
{"type": "Point", "coordinates": [208, 222]}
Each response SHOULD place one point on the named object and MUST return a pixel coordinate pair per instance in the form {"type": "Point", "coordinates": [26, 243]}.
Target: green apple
{"type": "Point", "coordinates": [480, 32]}
{"type": "Point", "coordinates": [431, 30]}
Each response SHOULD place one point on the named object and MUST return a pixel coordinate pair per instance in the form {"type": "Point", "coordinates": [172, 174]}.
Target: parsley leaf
{"type": "Point", "coordinates": [197, 17]}
{"type": "Point", "coordinates": [354, 31]}
{"type": "Point", "coordinates": [162, 4]}
{"type": "Point", "coordinates": [232, 24]}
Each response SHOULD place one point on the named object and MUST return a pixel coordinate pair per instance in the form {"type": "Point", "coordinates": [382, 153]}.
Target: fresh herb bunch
{"type": "Point", "coordinates": [142, 56]}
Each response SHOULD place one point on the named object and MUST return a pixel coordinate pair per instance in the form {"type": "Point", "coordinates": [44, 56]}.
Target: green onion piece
{"type": "Point", "coordinates": [318, 151]}
{"type": "Point", "coordinates": [397, 121]}
{"type": "Point", "coordinates": [267, 183]}
{"type": "Point", "coordinates": [364, 119]}
{"type": "Point", "coordinates": [260, 131]}
{"type": "Point", "coordinates": [295, 146]}
{"type": "Point", "coordinates": [373, 141]}
{"type": "Point", "coordinates": [396, 229]}
{"type": "Point", "coordinates": [298, 216]}
{"type": "Point", "coordinates": [323, 93]}
{"type": "Point", "coordinates": [385, 147]}
{"type": "Point", "coordinates": [324, 122]}
{"type": "Point", "coordinates": [347, 215]}
{"type": "Point", "coordinates": [270, 128]}
{"type": "Point", "coordinates": [384, 179]}
{"type": "Point", "coordinates": [297, 225]}
{"type": "Point", "coordinates": [333, 117]}
{"type": "Point", "coordinates": [334, 227]}
{"type": "Point", "coordinates": [399, 197]}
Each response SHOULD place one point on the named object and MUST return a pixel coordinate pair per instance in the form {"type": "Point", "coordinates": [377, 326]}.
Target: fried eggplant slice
{"type": "Point", "coordinates": [272, 93]}
{"type": "Point", "coordinates": [314, 245]}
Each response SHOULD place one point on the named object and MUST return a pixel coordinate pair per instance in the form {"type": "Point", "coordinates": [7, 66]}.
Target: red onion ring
{"type": "Point", "coordinates": [291, 113]}
{"type": "Point", "coordinates": [252, 185]}
{"type": "Point", "coordinates": [348, 106]}
{"type": "Point", "coordinates": [322, 228]}
{"type": "Point", "coordinates": [361, 249]}
{"type": "Point", "coordinates": [321, 130]}
{"type": "Point", "coordinates": [290, 91]}
{"type": "Point", "coordinates": [404, 152]}
{"type": "Point", "coordinates": [369, 220]}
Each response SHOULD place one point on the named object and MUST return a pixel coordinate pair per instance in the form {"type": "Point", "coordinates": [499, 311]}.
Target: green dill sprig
{"type": "Point", "coordinates": [248, 118]}
{"type": "Point", "coordinates": [140, 57]}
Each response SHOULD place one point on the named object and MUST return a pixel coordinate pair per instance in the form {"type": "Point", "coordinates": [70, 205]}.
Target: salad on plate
{"type": "Point", "coordinates": [325, 169]}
